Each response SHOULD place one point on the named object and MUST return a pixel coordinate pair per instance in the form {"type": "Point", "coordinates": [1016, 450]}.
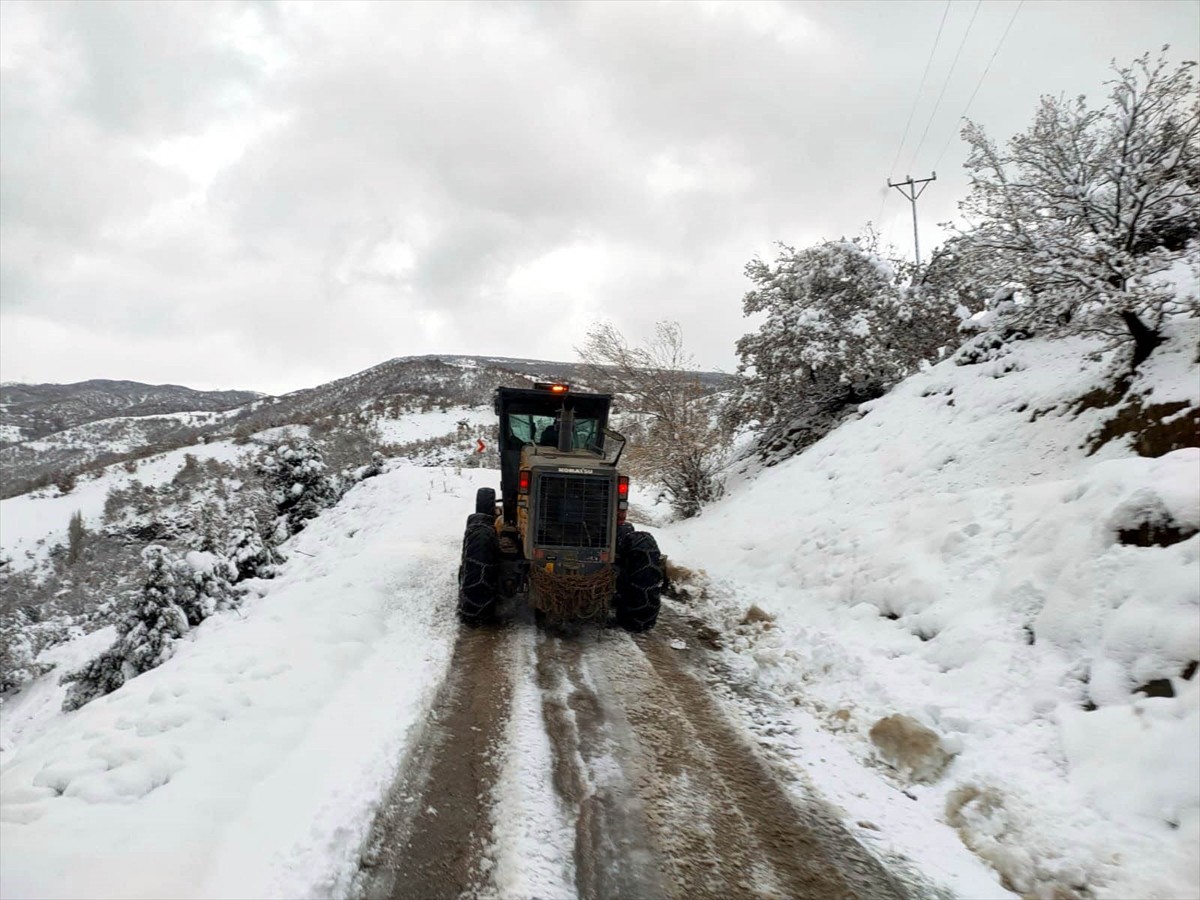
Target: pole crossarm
{"type": "Point", "coordinates": [911, 196]}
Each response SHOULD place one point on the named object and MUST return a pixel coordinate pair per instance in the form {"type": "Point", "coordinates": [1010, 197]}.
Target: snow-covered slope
{"type": "Point", "coordinates": [956, 555]}
{"type": "Point", "coordinates": [250, 763]}
{"type": "Point", "coordinates": [42, 409]}
{"type": "Point", "coordinates": [31, 524]}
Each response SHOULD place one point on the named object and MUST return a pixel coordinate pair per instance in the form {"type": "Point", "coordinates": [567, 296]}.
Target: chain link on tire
{"type": "Point", "coordinates": [486, 519]}
{"type": "Point", "coordinates": [478, 574]}
{"type": "Point", "coordinates": [639, 581]}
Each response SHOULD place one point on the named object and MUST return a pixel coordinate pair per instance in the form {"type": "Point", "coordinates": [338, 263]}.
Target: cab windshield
{"type": "Point", "coordinates": [543, 431]}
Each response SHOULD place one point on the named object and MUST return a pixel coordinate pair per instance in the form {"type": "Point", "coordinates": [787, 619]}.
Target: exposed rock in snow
{"type": "Point", "coordinates": [911, 748]}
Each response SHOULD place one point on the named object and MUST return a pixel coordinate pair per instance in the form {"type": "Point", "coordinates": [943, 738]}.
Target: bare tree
{"type": "Point", "coordinates": [76, 535]}
{"type": "Point", "coordinates": [678, 442]}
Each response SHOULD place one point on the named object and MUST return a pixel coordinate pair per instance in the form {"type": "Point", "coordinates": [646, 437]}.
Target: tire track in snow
{"type": "Point", "coordinates": [600, 767]}
{"type": "Point", "coordinates": [533, 843]}
{"type": "Point", "coordinates": [430, 836]}
{"type": "Point", "coordinates": [670, 799]}
{"type": "Point", "coordinates": [613, 853]}
{"type": "Point", "coordinates": [727, 826]}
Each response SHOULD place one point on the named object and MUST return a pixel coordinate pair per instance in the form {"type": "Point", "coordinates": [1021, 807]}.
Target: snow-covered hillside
{"type": "Point", "coordinates": [955, 555]}
{"type": "Point", "coordinates": [965, 552]}
{"type": "Point", "coordinates": [32, 524]}
{"type": "Point", "coordinates": [124, 433]}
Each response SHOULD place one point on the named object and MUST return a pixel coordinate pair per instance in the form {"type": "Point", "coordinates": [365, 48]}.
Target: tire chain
{"type": "Point", "coordinates": [643, 583]}
{"type": "Point", "coordinates": [476, 582]}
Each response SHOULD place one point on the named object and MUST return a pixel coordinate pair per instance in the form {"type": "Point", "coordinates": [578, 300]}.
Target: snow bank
{"type": "Point", "coordinates": [250, 763]}
{"type": "Point", "coordinates": [956, 556]}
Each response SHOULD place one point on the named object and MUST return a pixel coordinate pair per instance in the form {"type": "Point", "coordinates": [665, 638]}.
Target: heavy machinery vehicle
{"type": "Point", "coordinates": [558, 536]}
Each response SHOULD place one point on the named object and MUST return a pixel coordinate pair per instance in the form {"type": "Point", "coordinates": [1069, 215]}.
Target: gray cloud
{"type": "Point", "coordinates": [265, 196]}
{"type": "Point", "coordinates": [150, 72]}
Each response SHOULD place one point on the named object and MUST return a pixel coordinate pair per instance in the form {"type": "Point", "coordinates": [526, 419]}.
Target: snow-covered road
{"type": "Point", "coordinates": [599, 764]}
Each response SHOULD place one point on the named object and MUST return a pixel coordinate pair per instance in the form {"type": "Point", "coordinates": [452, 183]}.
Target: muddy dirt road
{"type": "Point", "coordinates": [599, 765]}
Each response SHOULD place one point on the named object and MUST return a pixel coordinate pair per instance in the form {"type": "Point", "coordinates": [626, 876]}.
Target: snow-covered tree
{"type": "Point", "coordinates": [299, 483]}
{"type": "Point", "coordinates": [95, 678]}
{"type": "Point", "coordinates": [146, 634]}
{"type": "Point", "coordinates": [18, 653]}
{"type": "Point", "coordinates": [841, 327]}
{"type": "Point", "coordinates": [211, 527]}
{"type": "Point", "coordinates": [252, 557]}
{"type": "Point", "coordinates": [961, 277]}
{"type": "Point", "coordinates": [1087, 207]}
{"type": "Point", "coordinates": [681, 444]}
{"type": "Point", "coordinates": [157, 621]}
{"type": "Point", "coordinates": [204, 584]}
{"type": "Point", "coordinates": [375, 467]}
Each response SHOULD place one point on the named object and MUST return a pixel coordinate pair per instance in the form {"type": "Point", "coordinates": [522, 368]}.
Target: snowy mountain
{"type": "Point", "coordinates": [413, 382]}
{"type": "Point", "coordinates": [951, 647]}
{"type": "Point", "coordinates": [31, 411]}
{"type": "Point", "coordinates": [52, 429]}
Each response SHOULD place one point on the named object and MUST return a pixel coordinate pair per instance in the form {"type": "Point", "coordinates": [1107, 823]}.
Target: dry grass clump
{"type": "Point", "coordinates": [756, 615]}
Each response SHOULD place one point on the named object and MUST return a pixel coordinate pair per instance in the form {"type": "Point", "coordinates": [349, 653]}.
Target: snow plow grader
{"type": "Point", "coordinates": [557, 537]}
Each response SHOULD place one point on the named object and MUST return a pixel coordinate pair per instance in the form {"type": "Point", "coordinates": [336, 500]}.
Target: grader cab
{"type": "Point", "coordinates": [557, 536]}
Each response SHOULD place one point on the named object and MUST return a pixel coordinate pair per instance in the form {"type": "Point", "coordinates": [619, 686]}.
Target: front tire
{"type": "Point", "coordinates": [478, 574]}
{"type": "Point", "coordinates": [639, 582]}
{"type": "Point", "coordinates": [485, 501]}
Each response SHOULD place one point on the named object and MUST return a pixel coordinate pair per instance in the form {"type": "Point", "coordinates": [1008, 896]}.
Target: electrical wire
{"type": "Point", "coordinates": [916, 100]}
{"type": "Point", "coordinates": [945, 84]}
{"type": "Point", "coordinates": [920, 88]}
{"type": "Point", "coordinates": [979, 84]}
{"type": "Point", "coordinates": [882, 204]}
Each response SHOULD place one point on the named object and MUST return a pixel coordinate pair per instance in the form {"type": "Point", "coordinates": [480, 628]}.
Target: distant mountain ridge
{"type": "Point", "coordinates": [46, 430]}
{"type": "Point", "coordinates": [38, 410]}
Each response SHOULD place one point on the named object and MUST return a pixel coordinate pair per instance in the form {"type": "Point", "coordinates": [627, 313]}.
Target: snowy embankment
{"type": "Point", "coordinates": [955, 555]}
{"type": "Point", "coordinates": [250, 763]}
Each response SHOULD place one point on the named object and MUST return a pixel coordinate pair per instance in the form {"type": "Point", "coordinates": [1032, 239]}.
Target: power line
{"type": "Point", "coordinates": [882, 204]}
{"type": "Point", "coordinates": [945, 84]}
{"type": "Point", "coordinates": [920, 88]}
{"type": "Point", "coordinates": [986, 69]}
{"type": "Point", "coordinates": [916, 100]}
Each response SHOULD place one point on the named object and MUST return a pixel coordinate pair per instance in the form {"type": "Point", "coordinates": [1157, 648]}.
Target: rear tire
{"type": "Point", "coordinates": [485, 501]}
{"type": "Point", "coordinates": [639, 582]}
{"type": "Point", "coordinates": [478, 575]}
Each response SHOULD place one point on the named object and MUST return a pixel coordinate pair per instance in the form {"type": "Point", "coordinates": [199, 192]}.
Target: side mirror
{"type": "Point", "coordinates": [566, 431]}
{"type": "Point", "coordinates": [614, 445]}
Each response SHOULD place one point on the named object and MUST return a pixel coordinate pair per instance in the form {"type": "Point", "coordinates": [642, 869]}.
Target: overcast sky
{"type": "Point", "coordinates": [262, 196]}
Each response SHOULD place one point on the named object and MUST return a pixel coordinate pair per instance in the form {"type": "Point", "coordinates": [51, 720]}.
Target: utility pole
{"type": "Point", "coordinates": [911, 196]}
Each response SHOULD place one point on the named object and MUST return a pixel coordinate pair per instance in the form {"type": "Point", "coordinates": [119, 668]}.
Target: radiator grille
{"type": "Point", "coordinates": [572, 511]}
